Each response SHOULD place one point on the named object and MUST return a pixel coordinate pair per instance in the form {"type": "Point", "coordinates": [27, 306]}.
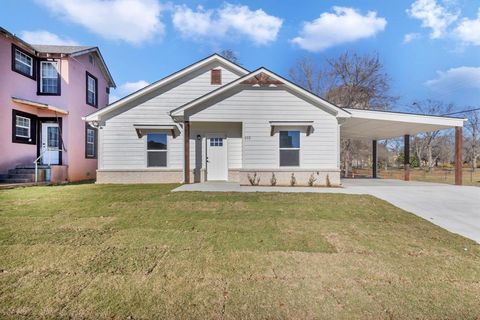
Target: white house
{"type": "Point", "coordinates": [215, 120]}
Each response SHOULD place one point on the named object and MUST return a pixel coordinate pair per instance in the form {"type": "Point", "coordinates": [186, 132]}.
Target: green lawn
{"type": "Point", "coordinates": [139, 252]}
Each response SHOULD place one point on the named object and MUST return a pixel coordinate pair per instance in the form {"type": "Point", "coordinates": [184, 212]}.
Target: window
{"type": "Point", "coordinates": [49, 78]}
{"type": "Point", "coordinates": [22, 62]}
{"type": "Point", "coordinates": [289, 148]}
{"type": "Point", "coordinates": [53, 138]}
{"type": "Point", "coordinates": [92, 97]}
{"type": "Point", "coordinates": [91, 59]}
{"type": "Point", "coordinates": [90, 142]}
{"type": "Point", "coordinates": [156, 150]}
{"type": "Point", "coordinates": [24, 127]}
{"type": "Point", "coordinates": [216, 76]}
{"type": "Point", "coordinates": [216, 142]}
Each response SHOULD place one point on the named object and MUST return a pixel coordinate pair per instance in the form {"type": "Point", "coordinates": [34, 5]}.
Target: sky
{"type": "Point", "coordinates": [430, 48]}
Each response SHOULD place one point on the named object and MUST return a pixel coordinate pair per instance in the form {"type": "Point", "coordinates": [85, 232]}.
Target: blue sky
{"type": "Point", "coordinates": [430, 48]}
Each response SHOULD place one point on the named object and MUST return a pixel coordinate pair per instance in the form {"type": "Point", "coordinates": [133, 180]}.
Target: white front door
{"type": "Point", "coordinates": [217, 165]}
{"type": "Point", "coordinates": [50, 143]}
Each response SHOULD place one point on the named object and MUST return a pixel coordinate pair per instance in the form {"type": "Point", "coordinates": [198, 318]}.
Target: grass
{"type": "Point", "coordinates": [437, 175]}
{"type": "Point", "coordinates": [141, 252]}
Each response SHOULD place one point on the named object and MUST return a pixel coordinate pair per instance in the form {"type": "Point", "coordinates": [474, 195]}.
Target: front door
{"type": "Point", "coordinates": [217, 168]}
{"type": "Point", "coordinates": [50, 147]}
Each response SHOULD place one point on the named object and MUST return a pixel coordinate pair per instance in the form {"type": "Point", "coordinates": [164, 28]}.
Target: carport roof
{"type": "Point", "coordinates": [377, 125]}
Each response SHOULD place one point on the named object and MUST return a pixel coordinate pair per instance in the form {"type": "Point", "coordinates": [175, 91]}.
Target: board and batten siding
{"type": "Point", "coordinates": [255, 107]}
{"type": "Point", "coordinates": [120, 146]}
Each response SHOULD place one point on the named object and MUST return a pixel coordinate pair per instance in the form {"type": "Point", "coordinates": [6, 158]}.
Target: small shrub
{"type": "Point", "coordinates": [254, 180]}
{"type": "Point", "coordinates": [273, 180]}
{"type": "Point", "coordinates": [311, 180]}
{"type": "Point", "coordinates": [293, 180]}
{"type": "Point", "coordinates": [329, 184]}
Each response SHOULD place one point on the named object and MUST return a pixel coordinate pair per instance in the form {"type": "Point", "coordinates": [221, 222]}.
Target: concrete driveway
{"type": "Point", "coordinates": [455, 208]}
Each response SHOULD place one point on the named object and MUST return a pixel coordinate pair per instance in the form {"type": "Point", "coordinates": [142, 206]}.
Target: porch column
{"type": "Point", "coordinates": [186, 151]}
{"type": "Point", "coordinates": [374, 159]}
{"type": "Point", "coordinates": [458, 155]}
{"type": "Point", "coordinates": [406, 156]}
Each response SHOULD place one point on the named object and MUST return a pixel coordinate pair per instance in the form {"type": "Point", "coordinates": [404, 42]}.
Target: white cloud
{"type": "Point", "coordinates": [342, 26]}
{"type": "Point", "coordinates": [226, 22]}
{"type": "Point", "coordinates": [433, 15]}
{"type": "Point", "coordinates": [132, 21]}
{"type": "Point", "coordinates": [455, 79]}
{"type": "Point", "coordinates": [45, 37]}
{"type": "Point", "coordinates": [409, 37]}
{"type": "Point", "coordinates": [468, 31]}
{"type": "Point", "coordinates": [126, 88]}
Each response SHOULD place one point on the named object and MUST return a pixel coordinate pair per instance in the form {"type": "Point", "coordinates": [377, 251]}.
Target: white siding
{"type": "Point", "coordinates": [255, 107]}
{"type": "Point", "coordinates": [120, 146]}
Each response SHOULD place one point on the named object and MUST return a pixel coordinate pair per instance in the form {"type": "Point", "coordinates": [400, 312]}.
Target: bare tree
{"type": "Point", "coordinates": [472, 144]}
{"type": "Point", "coordinates": [425, 143]}
{"type": "Point", "coordinates": [230, 55]}
{"type": "Point", "coordinates": [349, 80]}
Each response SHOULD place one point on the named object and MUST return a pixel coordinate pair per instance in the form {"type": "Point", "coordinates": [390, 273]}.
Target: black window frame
{"type": "Point", "coordinates": [95, 141]}
{"type": "Point", "coordinates": [157, 150]}
{"type": "Point", "coordinates": [280, 148]}
{"type": "Point", "coordinates": [33, 127]}
{"type": "Point", "coordinates": [87, 75]}
{"type": "Point", "coordinates": [34, 63]}
{"type": "Point", "coordinates": [39, 73]}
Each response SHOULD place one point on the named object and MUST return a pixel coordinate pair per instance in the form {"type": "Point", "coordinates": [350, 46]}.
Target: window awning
{"type": "Point", "coordinates": [143, 129]}
{"type": "Point", "coordinates": [308, 124]}
{"type": "Point", "coordinates": [40, 105]}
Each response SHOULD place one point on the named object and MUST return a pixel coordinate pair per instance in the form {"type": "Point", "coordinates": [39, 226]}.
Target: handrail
{"type": "Point", "coordinates": [39, 157]}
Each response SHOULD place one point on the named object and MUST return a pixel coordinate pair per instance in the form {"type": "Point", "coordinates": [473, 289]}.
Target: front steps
{"type": "Point", "coordinates": [24, 174]}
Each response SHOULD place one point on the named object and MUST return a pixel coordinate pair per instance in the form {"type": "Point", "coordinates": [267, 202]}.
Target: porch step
{"type": "Point", "coordinates": [21, 171]}
{"type": "Point", "coordinates": [16, 180]}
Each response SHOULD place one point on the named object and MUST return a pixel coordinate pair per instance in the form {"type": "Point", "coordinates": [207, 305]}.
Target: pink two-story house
{"type": "Point", "coordinates": [45, 90]}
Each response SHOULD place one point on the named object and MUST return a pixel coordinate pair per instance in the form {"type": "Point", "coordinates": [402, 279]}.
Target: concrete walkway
{"type": "Point", "coordinates": [455, 208]}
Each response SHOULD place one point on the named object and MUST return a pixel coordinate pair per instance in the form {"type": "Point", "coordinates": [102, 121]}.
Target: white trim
{"type": "Point", "coordinates": [55, 65]}
{"type": "Point", "coordinates": [20, 61]}
{"type": "Point", "coordinates": [178, 112]}
{"type": "Point", "coordinates": [154, 86]}
{"type": "Point", "coordinates": [406, 117]}
{"type": "Point", "coordinates": [23, 127]}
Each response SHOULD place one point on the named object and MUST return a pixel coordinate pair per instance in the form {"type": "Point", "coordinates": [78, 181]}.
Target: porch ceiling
{"type": "Point", "coordinates": [377, 125]}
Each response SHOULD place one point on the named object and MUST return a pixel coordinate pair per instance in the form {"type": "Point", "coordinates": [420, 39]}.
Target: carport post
{"type": "Point", "coordinates": [458, 155]}
{"type": "Point", "coordinates": [406, 156]}
{"type": "Point", "coordinates": [374, 159]}
{"type": "Point", "coordinates": [186, 150]}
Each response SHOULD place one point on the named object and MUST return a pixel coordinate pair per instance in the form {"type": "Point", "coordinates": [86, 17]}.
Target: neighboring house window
{"type": "Point", "coordinates": [289, 148]}
{"type": "Point", "coordinates": [22, 62]}
{"type": "Point", "coordinates": [92, 89]}
{"type": "Point", "coordinates": [90, 142]}
{"type": "Point", "coordinates": [216, 76]}
{"type": "Point", "coordinates": [156, 150]}
{"type": "Point", "coordinates": [23, 127]}
{"type": "Point", "coordinates": [49, 78]}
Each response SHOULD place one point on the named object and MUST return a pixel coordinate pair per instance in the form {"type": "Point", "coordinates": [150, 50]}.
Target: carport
{"type": "Point", "coordinates": [379, 125]}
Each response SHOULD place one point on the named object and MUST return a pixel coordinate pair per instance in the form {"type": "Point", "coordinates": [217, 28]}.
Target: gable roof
{"type": "Point", "coordinates": [60, 49]}
{"type": "Point", "coordinates": [262, 76]}
{"type": "Point", "coordinates": [164, 81]}
{"type": "Point", "coordinates": [40, 50]}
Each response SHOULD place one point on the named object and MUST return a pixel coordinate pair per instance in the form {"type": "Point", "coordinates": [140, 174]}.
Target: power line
{"type": "Point", "coordinates": [457, 112]}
